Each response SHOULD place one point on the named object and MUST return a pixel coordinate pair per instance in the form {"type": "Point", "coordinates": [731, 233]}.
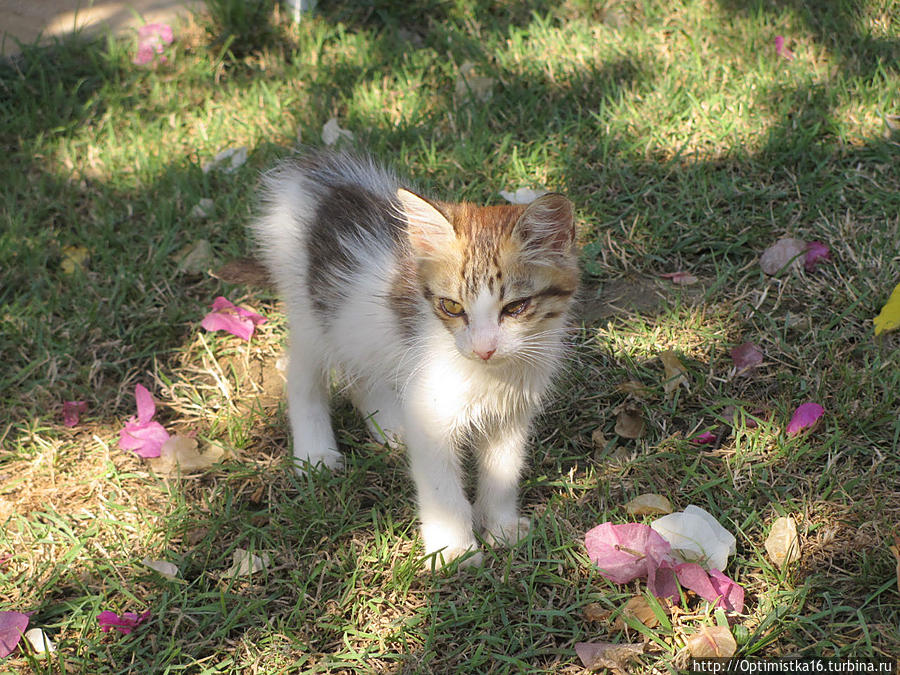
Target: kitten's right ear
{"type": "Point", "coordinates": [427, 228]}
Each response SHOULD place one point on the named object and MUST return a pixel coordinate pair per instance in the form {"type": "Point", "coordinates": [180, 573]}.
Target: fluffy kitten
{"type": "Point", "coordinates": [446, 320]}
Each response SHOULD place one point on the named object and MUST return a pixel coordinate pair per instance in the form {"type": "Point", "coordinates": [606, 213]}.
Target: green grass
{"type": "Point", "coordinates": [685, 143]}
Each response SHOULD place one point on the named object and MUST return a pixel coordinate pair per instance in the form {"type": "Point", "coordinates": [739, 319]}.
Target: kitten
{"type": "Point", "coordinates": [446, 320]}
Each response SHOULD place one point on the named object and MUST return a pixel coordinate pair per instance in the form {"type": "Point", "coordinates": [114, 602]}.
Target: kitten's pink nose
{"type": "Point", "coordinates": [484, 353]}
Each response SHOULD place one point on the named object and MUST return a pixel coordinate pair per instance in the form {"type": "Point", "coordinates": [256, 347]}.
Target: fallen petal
{"type": "Point", "coordinates": [39, 642]}
{"type": "Point", "coordinates": [12, 627]}
{"type": "Point", "coordinates": [245, 563]}
{"type": "Point", "coordinates": [705, 438]}
{"type": "Point", "coordinates": [71, 412]}
{"type": "Point", "coordinates": [805, 416]}
{"type": "Point", "coordinates": [625, 552]}
{"type": "Point", "coordinates": [783, 544]}
{"type": "Point", "coordinates": [675, 373]}
{"type": "Point", "coordinates": [888, 318]}
{"type": "Point", "coordinates": [124, 624]}
{"type": "Point", "coordinates": [781, 50]}
{"type": "Point", "coordinates": [146, 408]}
{"type": "Point", "coordinates": [145, 439]}
{"type": "Point", "coordinates": [167, 569]}
{"type": "Point", "coordinates": [648, 504]}
{"type": "Point", "coordinates": [231, 318]}
{"type": "Point", "coordinates": [784, 252]}
{"type": "Point", "coordinates": [522, 196]}
{"type": "Point", "coordinates": [746, 356]}
{"type": "Point", "coordinates": [816, 252]}
{"type": "Point", "coordinates": [681, 278]}
{"type": "Point", "coordinates": [696, 536]}
{"type": "Point", "coordinates": [731, 593]}
{"type": "Point", "coordinates": [712, 642]}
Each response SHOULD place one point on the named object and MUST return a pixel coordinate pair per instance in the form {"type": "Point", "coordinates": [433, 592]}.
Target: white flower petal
{"type": "Point", "coordinates": [695, 536]}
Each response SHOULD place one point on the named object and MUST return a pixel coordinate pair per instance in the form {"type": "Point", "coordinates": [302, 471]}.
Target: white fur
{"type": "Point", "coordinates": [436, 395]}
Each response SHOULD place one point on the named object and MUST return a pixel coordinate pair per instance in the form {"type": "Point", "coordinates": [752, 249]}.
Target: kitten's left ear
{"type": "Point", "coordinates": [548, 224]}
{"type": "Point", "coordinates": [427, 228]}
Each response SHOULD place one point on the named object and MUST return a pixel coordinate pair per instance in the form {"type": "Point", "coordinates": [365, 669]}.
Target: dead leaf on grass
{"type": "Point", "coordinates": [179, 454]}
{"type": "Point", "coordinates": [712, 642]}
{"type": "Point", "coordinates": [676, 375]}
{"type": "Point", "coordinates": [784, 252]}
{"type": "Point", "coordinates": [245, 563]}
{"type": "Point", "coordinates": [889, 317]}
{"type": "Point", "coordinates": [782, 544]}
{"type": "Point", "coordinates": [649, 504]}
{"type": "Point", "coordinates": [597, 655]}
{"type": "Point", "coordinates": [74, 258]}
{"type": "Point", "coordinates": [194, 258]}
{"type": "Point", "coordinates": [895, 549]}
{"type": "Point", "coordinates": [470, 83]}
{"type": "Point", "coordinates": [637, 608]}
{"type": "Point", "coordinates": [634, 388]}
{"type": "Point", "coordinates": [167, 569]}
{"type": "Point", "coordinates": [596, 613]}
{"type": "Point", "coordinates": [630, 424]}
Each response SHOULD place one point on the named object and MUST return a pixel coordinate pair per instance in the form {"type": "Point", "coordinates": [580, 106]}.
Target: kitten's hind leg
{"type": "Point", "coordinates": [308, 410]}
{"type": "Point", "coordinates": [381, 407]}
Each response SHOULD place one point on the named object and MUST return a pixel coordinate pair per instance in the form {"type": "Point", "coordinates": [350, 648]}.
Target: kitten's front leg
{"type": "Point", "coordinates": [501, 456]}
{"type": "Point", "coordinates": [445, 511]}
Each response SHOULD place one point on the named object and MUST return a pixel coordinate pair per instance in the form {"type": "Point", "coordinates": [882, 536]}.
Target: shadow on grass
{"type": "Point", "coordinates": [342, 538]}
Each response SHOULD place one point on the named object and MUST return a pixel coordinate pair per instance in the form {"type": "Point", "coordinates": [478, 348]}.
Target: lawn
{"type": "Point", "coordinates": [687, 143]}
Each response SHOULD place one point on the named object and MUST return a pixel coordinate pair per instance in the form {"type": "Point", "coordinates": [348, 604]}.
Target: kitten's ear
{"type": "Point", "coordinates": [547, 225]}
{"type": "Point", "coordinates": [427, 228]}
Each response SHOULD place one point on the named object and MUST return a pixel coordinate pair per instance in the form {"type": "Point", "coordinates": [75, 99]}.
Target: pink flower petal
{"type": "Point", "coordinates": [12, 627]}
{"type": "Point", "coordinates": [625, 552]}
{"type": "Point", "coordinates": [152, 39]}
{"type": "Point", "coordinates": [231, 318]}
{"type": "Point", "coordinates": [159, 31]}
{"type": "Point", "coordinates": [804, 417]}
{"type": "Point", "coordinates": [816, 252]}
{"type": "Point", "coordinates": [124, 624]}
{"type": "Point", "coordinates": [731, 594]}
{"type": "Point", "coordinates": [71, 411]}
{"type": "Point", "coordinates": [781, 50]}
{"type": "Point", "coordinates": [705, 438]}
{"type": "Point", "coordinates": [682, 278]}
{"type": "Point", "coordinates": [146, 408]}
{"type": "Point", "coordinates": [746, 356]}
{"type": "Point", "coordinates": [145, 438]}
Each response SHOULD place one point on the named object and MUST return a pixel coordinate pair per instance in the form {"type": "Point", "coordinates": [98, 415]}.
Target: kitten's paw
{"type": "Point", "coordinates": [330, 459]}
{"type": "Point", "coordinates": [468, 557]}
{"type": "Point", "coordinates": [507, 533]}
{"type": "Point", "coordinates": [445, 543]}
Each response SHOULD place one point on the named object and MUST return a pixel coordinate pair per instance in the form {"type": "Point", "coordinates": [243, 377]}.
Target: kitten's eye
{"type": "Point", "coordinates": [451, 307]}
{"type": "Point", "coordinates": [517, 307]}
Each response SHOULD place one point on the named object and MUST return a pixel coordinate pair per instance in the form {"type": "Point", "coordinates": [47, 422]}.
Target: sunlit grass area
{"type": "Point", "coordinates": [686, 142]}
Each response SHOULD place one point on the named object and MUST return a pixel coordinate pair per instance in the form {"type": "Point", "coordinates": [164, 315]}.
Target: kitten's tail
{"type": "Point", "coordinates": [245, 271]}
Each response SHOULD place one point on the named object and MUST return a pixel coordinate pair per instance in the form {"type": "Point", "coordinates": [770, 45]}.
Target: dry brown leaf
{"type": "Point", "coordinates": [782, 544]}
{"type": "Point", "coordinates": [637, 608]}
{"type": "Point", "coordinates": [895, 549]}
{"type": "Point", "coordinates": [676, 375]}
{"type": "Point", "coordinates": [630, 424]}
{"type": "Point", "coordinates": [786, 251]}
{"type": "Point", "coordinates": [649, 504]}
{"type": "Point", "coordinates": [711, 642]}
{"type": "Point", "coordinates": [244, 563]}
{"type": "Point", "coordinates": [634, 388]}
{"type": "Point", "coordinates": [597, 655]}
{"type": "Point", "coordinates": [194, 258]}
{"type": "Point", "coordinates": [596, 613]}
{"type": "Point", "coordinates": [74, 258]}
{"type": "Point", "coordinates": [179, 454]}
{"type": "Point", "coordinates": [470, 82]}
{"type": "Point", "coordinates": [167, 569]}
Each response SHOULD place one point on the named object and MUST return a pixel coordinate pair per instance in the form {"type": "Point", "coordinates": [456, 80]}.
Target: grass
{"type": "Point", "coordinates": [685, 143]}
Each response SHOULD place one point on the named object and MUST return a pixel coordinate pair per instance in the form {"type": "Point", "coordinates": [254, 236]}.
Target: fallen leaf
{"type": "Point", "coordinates": [12, 627]}
{"type": "Point", "coordinates": [676, 375]}
{"type": "Point", "coordinates": [712, 642]}
{"type": "Point", "coordinates": [332, 132]}
{"type": "Point", "coordinates": [597, 655]}
{"type": "Point", "coordinates": [746, 356]}
{"type": "Point", "coordinates": [781, 50]}
{"type": "Point", "coordinates": [816, 252]}
{"type": "Point", "coordinates": [895, 549]}
{"type": "Point", "coordinates": [123, 624]}
{"type": "Point", "coordinates": [245, 563]}
{"type": "Point", "coordinates": [696, 536]}
{"type": "Point", "coordinates": [634, 388]}
{"type": "Point", "coordinates": [680, 278]}
{"type": "Point", "coordinates": [167, 569]}
{"type": "Point", "coordinates": [784, 252]}
{"type": "Point", "coordinates": [194, 258]}
{"type": "Point", "coordinates": [179, 454]}
{"type": "Point", "coordinates": [782, 544]}
{"type": "Point", "coordinates": [806, 416]}
{"type": "Point", "coordinates": [203, 209]}
{"type": "Point", "coordinates": [648, 504]}
{"type": "Point", "coordinates": [71, 411]}
{"type": "Point", "coordinates": [141, 434]}
{"type": "Point", "coordinates": [74, 258]}
{"type": "Point", "coordinates": [39, 642]}
{"type": "Point", "coordinates": [888, 318]}
{"type": "Point", "coordinates": [231, 318]}
{"type": "Point", "coordinates": [594, 612]}
{"type": "Point", "coordinates": [639, 609]}
{"type": "Point", "coordinates": [229, 160]}
{"type": "Point", "coordinates": [630, 424]}
{"type": "Point", "coordinates": [522, 196]}
{"type": "Point", "coordinates": [470, 83]}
